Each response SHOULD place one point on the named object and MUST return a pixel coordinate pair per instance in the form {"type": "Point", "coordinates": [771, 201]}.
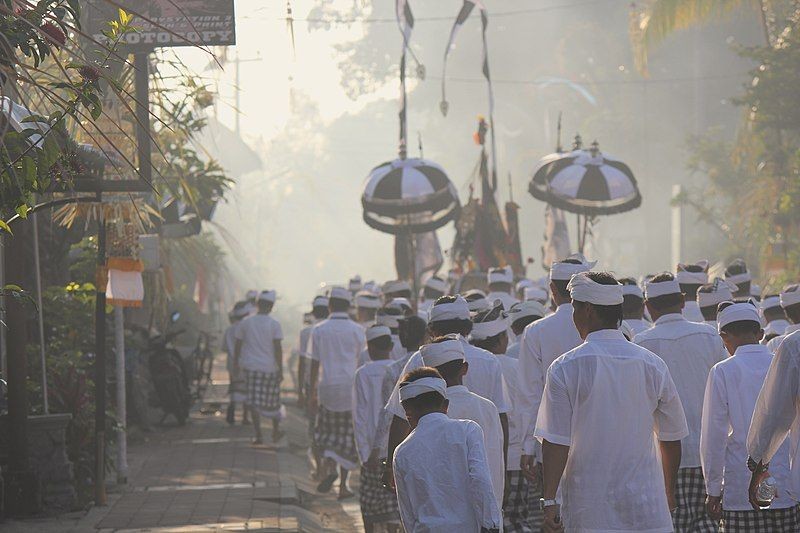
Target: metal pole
{"type": "Point", "coordinates": [677, 228]}
{"type": "Point", "coordinates": [122, 436]}
{"type": "Point", "coordinates": [40, 313]}
{"type": "Point", "coordinates": [100, 361]}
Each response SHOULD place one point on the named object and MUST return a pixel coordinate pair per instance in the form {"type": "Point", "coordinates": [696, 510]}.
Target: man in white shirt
{"type": "Point", "coordinates": [443, 480]}
{"type": "Point", "coordinates": [367, 304]}
{"type": "Point", "coordinates": [521, 499]}
{"type": "Point", "coordinates": [501, 283]}
{"type": "Point", "coordinates": [434, 288]}
{"type": "Point", "coordinates": [633, 306]}
{"type": "Point", "coordinates": [773, 316]}
{"type": "Point", "coordinates": [738, 274]}
{"type": "Point", "coordinates": [319, 310]}
{"type": "Point", "coordinates": [260, 355]}
{"type": "Point", "coordinates": [450, 315]}
{"type": "Point", "coordinates": [398, 288]}
{"type": "Point", "coordinates": [691, 277]}
{"type": "Point", "coordinates": [520, 316]}
{"type": "Point", "coordinates": [709, 297]}
{"type": "Point", "coordinates": [335, 345]}
{"type": "Point", "coordinates": [730, 399]}
{"type": "Point", "coordinates": [689, 349]}
{"type": "Point", "coordinates": [377, 504]}
{"type": "Point", "coordinates": [776, 417]}
{"type": "Point", "coordinates": [236, 384]}
{"type": "Point", "coordinates": [446, 355]}
{"type": "Point", "coordinates": [790, 301]}
{"type": "Point", "coordinates": [519, 288]}
{"type": "Point", "coordinates": [610, 474]}
{"type": "Point", "coordinates": [542, 342]}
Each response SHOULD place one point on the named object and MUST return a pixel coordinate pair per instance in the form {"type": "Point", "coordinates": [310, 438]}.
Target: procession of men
{"type": "Point", "coordinates": [582, 401]}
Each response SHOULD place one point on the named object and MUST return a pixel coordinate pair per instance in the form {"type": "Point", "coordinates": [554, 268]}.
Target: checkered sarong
{"type": "Point", "coordinates": [264, 393]}
{"type": "Point", "coordinates": [377, 503]}
{"type": "Point", "coordinates": [690, 496]}
{"type": "Point", "coordinates": [237, 389]}
{"type": "Point", "coordinates": [335, 437]}
{"type": "Point", "coordinates": [764, 521]}
{"type": "Point", "coordinates": [520, 511]}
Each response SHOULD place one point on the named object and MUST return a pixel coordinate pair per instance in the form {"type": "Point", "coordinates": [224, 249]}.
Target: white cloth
{"type": "Point", "coordinates": [691, 311]}
{"type": "Point", "coordinates": [789, 298]}
{"type": "Point", "coordinates": [613, 479]}
{"type": "Point", "coordinates": [775, 342]}
{"type": "Point", "coordinates": [565, 271]}
{"type": "Point", "coordinates": [457, 310]}
{"type": "Point", "coordinates": [661, 288]}
{"type": "Point", "coordinates": [487, 330]}
{"type": "Point", "coordinates": [582, 288]}
{"type": "Point", "coordinates": [505, 298]}
{"type": "Point", "coordinates": [258, 334]}
{"type": "Point", "coordinates": [513, 349]}
{"type": "Point", "coordinates": [542, 342]}
{"type": "Point", "coordinates": [367, 407]}
{"type": "Point", "coordinates": [484, 378]}
{"type": "Point", "coordinates": [690, 350]}
{"type": "Point", "coordinates": [376, 331]}
{"type": "Point", "coordinates": [637, 325]}
{"type": "Point", "coordinates": [305, 337]}
{"type": "Point", "coordinates": [777, 412]}
{"type": "Point", "coordinates": [443, 480]}
{"type": "Point", "coordinates": [776, 327]}
{"type": "Point", "coordinates": [731, 394]}
{"type": "Point", "coordinates": [632, 290]}
{"type": "Point", "coordinates": [466, 405]}
{"type": "Point", "coordinates": [340, 293]}
{"type": "Point", "coordinates": [744, 311]}
{"type": "Point", "coordinates": [229, 344]}
{"type": "Point", "coordinates": [443, 352]}
{"type": "Point", "coordinates": [421, 386]}
{"type": "Point", "coordinates": [510, 367]}
{"type": "Point", "coordinates": [500, 275]}
{"type": "Point", "coordinates": [267, 296]}
{"type": "Point", "coordinates": [336, 343]}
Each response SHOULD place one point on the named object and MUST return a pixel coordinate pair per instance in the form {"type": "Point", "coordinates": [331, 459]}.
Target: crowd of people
{"type": "Point", "coordinates": [578, 402]}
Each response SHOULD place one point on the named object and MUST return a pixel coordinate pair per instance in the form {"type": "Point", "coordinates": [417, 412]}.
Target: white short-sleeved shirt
{"type": "Point", "coordinates": [336, 343]}
{"type": "Point", "coordinates": [484, 378]}
{"type": "Point", "coordinates": [610, 401]}
{"type": "Point", "coordinates": [777, 412]}
{"type": "Point", "coordinates": [690, 349]}
{"type": "Point", "coordinates": [510, 367]}
{"type": "Point", "coordinates": [776, 341]}
{"type": "Point", "coordinates": [229, 344]}
{"type": "Point", "coordinates": [543, 341]}
{"type": "Point", "coordinates": [305, 337]}
{"type": "Point", "coordinates": [442, 477]}
{"type": "Point", "coordinates": [731, 394]}
{"type": "Point", "coordinates": [691, 312]}
{"type": "Point", "coordinates": [465, 405]}
{"type": "Point", "coordinates": [258, 334]}
{"type": "Point", "coordinates": [368, 406]}
{"type": "Point", "coordinates": [638, 325]}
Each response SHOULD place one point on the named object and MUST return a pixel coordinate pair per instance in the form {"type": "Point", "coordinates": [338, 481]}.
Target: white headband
{"type": "Point", "coordinates": [439, 353]}
{"type": "Point", "coordinates": [457, 310]}
{"type": "Point", "coordinates": [390, 321]}
{"type": "Point", "coordinates": [481, 304]}
{"type": "Point", "coordinates": [396, 286]}
{"type": "Point", "coordinates": [565, 271]}
{"type": "Point", "coordinates": [790, 298]}
{"type": "Point", "coordinates": [267, 296]}
{"type": "Point", "coordinates": [421, 386]}
{"type": "Point", "coordinates": [487, 330]}
{"type": "Point", "coordinates": [536, 293]}
{"type": "Point", "coordinates": [367, 300]}
{"type": "Point", "coordinates": [354, 284]}
{"type": "Point", "coordinates": [737, 313]}
{"type": "Point", "coordinates": [685, 277]}
{"type": "Point", "coordinates": [251, 295]}
{"type": "Point", "coordinates": [340, 293]}
{"type": "Point", "coordinates": [525, 309]}
{"type": "Point", "coordinates": [377, 331]}
{"type": "Point", "coordinates": [755, 290]}
{"type": "Point", "coordinates": [500, 275]}
{"type": "Point", "coordinates": [771, 301]}
{"type": "Point", "coordinates": [632, 290]}
{"type": "Point", "coordinates": [523, 284]}
{"type": "Point", "coordinates": [723, 292]}
{"type": "Point", "coordinates": [654, 290]}
{"type": "Point", "coordinates": [399, 303]}
{"type": "Point", "coordinates": [437, 284]}
{"type": "Point", "coordinates": [320, 301]}
{"type": "Point", "coordinates": [739, 278]}
{"type": "Point", "coordinates": [584, 289]}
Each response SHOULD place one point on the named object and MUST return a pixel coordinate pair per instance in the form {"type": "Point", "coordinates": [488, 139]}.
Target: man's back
{"type": "Point", "coordinates": [258, 334]}
{"type": "Point", "coordinates": [613, 479]}
{"type": "Point", "coordinates": [336, 343]}
{"type": "Point", "coordinates": [690, 350]}
{"type": "Point", "coordinates": [368, 405]}
{"type": "Point", "coordinates": [442, 477]}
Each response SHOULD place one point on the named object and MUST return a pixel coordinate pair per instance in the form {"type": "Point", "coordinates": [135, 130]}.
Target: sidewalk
{"type": "Point", "coordinates": [206, 476]}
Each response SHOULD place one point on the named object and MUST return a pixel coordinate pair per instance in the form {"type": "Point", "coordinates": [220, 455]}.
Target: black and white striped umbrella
{"type": "Point", "coordinates": [586, 182]}
{"type": "Point", "coordinates": [409, 196]}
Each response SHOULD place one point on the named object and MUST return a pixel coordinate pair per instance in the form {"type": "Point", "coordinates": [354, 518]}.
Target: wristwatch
{"type": "Point", "coordinates": [546, 503]}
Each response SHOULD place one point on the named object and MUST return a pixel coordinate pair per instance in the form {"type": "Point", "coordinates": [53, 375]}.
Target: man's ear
{"type": "Point", "coordinates": [464, 368]}
{"type": "Point", "coordinates": [445, 405]}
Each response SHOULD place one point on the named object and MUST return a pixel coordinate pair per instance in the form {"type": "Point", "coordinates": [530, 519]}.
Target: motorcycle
{"type": "Point", "coordinates": [168, 372]}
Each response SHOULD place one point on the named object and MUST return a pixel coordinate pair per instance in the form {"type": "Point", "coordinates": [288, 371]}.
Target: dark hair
{"type": "Point", "coordinates": [523, 322]}
{"type": "Point", "coordinates": [405, 293]}
{"type": "Point", "coordinates": [265, 306]}
{"type": "Point", "coordinates": [412, 332]}
{"type": "Point", "coordinates": [709, 312]}
{"type": "Point", "coordinates": [450, 369]}
{"type": "Point", "coordinates": [338, 305]}
{"type": "Point", "coordinates": [424, 402]}
{"type": "Point", "coordinates": [610, 315]}
{"type": "Point", "coordinates": [666, 301]}
{"type": "Point", "coordinates": [319, 312]}
{"type": "Point", "coordinates": [627, 281]}
{"type": "Point", "coordinates": [488, 343]}
{"type": "Point", "coordinates": [690, 289]}
{"type": "Point", "coordinates": [384, 342]}
{"type": "Point", "coordinates": [737, 266]}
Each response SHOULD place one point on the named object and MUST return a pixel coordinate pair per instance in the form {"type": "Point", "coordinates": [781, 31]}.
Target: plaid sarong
{"type": "Point", "coordinates": [264, 393]}
{"type": "Point", "coordinates": [690, 496]}
{"type": "Point", "coordinates": [518, 512]}
{"type": "Point", "coordinates": [377, 503]}
{"type": "Point", "coordinates": [335, 437]}
{"type": "Point", "coordinates": [764, 521]}
{"type": "Point", "coordinates": [237, 388]}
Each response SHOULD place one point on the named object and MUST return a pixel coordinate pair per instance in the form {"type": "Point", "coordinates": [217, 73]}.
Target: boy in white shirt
{"type": "Point", "coordinates": [730, 399]}
{"type": "Point", "coordinates": [236, 383]}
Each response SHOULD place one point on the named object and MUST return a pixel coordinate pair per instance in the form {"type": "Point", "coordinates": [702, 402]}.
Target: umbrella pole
{"type": "Point", "coordinates": [415, 280]}
{"type": "Point", "coordinates": [580, 246]}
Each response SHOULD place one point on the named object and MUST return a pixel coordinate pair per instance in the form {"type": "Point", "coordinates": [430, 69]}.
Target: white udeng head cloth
{"type": "Point", "coordinates": [739, 278]}
{"type": "Point", "coordinates": [526, 309]}
{"type": "Point", "coordinates": [340, 293]}
{"type": "Point", "coordinates": [456, 310]}
{"type": "Point", "coordinates": [536, 293]}
{"type": "Point", "coordinates": [790, 296]}
{"type": "Point", "coordinates": [376, 331]}
{"type": "Point", "coordinates": [564, 271]}
{"type": "Point", "coordinates": [685, 277]}
{"type": "Point", "coordinates": [736, 313]}
{"type": "Point", "coordinates": [584, 289]}
{"type": "Point", "coordinates": [437, 284]}
{"type": "Point", "coordinates": [500, 275]}
{"type": "Point", "coordinates": [770, 302]}
{"type": "Point", "coordinates": [632, 290]}
{"type": "Point", "coordinates": [487, 330]}
{"type": "Point", "coordinates": [439, 353]}
{"type": "Point", "coordinates": [267, 296]}
{"type": "Point", "coordinates": [320, 301]}
{"type": "Point", "coordinates": [723, 292]}
{"type": "Point", "coordinates": [422, 386]}
{"type": "Point", "coordinates": [661, 288]}
{"type": "Point", "coordinates": [367, 300]}
{"type": "Point", "coordinates": [391, 287]}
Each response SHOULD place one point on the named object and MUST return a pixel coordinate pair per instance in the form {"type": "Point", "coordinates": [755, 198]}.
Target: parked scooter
{"type": "Point", "coordinates": [169, 375]}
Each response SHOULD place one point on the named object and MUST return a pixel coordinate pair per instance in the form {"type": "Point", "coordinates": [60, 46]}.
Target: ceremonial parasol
{"type": "Point", "coordinates": [586, 182]}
